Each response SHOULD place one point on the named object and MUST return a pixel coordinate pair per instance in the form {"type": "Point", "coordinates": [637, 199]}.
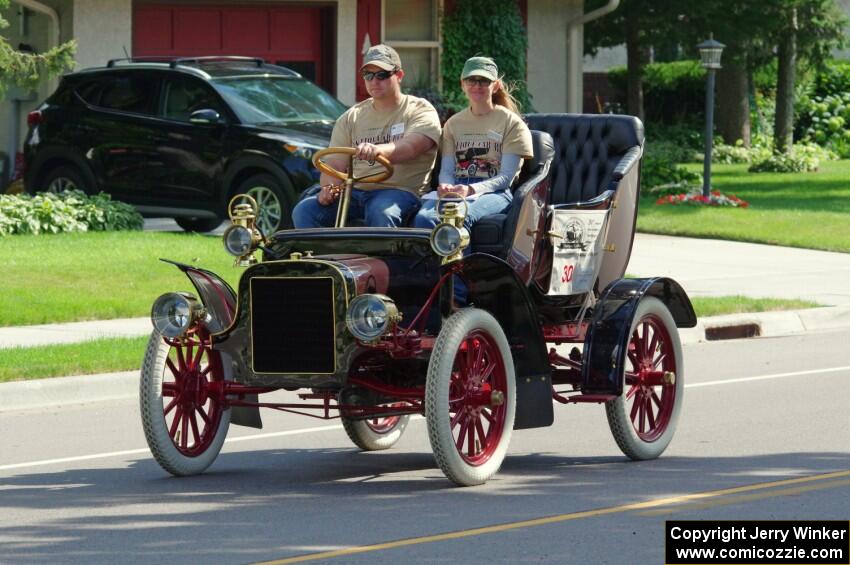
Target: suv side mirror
{"type": "Point", "coordinates": [205, 116]}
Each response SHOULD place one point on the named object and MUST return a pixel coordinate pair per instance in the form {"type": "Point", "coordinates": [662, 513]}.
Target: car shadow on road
{"type": "Point", "coordinates": [291, 501]}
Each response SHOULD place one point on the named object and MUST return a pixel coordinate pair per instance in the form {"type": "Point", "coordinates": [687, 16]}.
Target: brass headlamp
{"type": "Point", "coordinates": [449, 238]}
{"type": "Point", "coordinates": [242, 238]}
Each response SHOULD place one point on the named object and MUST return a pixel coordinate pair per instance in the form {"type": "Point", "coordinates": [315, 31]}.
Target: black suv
{"type": "Point", "coordinates": [179, 138]}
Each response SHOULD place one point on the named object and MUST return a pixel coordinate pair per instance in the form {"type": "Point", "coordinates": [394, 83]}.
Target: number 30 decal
{"type": "Point", "coordinates": [568, 273]}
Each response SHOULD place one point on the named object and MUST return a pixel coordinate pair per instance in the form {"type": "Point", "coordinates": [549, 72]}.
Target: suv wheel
{"type": "Point", "coordinates": [199, 225]}
{"type": "Point", "coordinates": [275, 212]}
{"type": "Point", "coordinates": [61, 179]}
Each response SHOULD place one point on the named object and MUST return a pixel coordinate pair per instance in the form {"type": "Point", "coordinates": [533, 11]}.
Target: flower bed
{"type": "Point", "coordinates": [715, 198]}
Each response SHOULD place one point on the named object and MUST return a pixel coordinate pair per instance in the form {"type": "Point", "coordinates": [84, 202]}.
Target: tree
{"type": "Point", "coordinates": [26, 70]}
{"type": "Point", "coordinates": [640, 24]}
{"type": "Point", "coordinates": [806, 30]}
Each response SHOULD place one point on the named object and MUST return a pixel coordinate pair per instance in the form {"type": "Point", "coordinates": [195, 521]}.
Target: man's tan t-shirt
{"type": "Point", "coordinates": [363, 123]}
{"type": "Point", "coordinates": [478, 142]}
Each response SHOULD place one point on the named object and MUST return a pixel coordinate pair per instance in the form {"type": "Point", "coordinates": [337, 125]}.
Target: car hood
{"type": "Point", "coordinates": [313, 132]}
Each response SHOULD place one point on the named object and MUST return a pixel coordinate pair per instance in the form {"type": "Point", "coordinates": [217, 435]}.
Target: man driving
{"type": "Point", "coordinates": [402, 128]}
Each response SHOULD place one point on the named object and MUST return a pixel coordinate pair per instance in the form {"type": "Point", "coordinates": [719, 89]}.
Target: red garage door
{"type": "Point", "coordinates": [298, 37]}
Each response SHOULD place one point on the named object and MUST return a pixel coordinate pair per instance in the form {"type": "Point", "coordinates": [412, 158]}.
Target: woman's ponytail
{"type": "Point", "coordinates": [504, 97]}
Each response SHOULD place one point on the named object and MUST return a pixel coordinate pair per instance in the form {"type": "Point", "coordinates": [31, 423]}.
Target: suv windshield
{"type": "Point", "coordinates": [259, 100]}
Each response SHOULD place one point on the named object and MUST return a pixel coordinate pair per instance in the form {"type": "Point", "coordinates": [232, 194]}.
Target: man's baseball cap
{"type": "Point", "coordinates": [480, 67]}
{"type": "Point", "coordinates": [382, 56]}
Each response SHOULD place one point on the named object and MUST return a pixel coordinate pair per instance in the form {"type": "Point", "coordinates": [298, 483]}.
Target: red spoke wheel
{"type": "Point", "coordinates": [376, 434]}
{"type": "Point", "coordinates": [643, 419]}
{"type": "Point", "coordinates": [183, 411]}
{"type": "Point", "coordinates": [470, 397]}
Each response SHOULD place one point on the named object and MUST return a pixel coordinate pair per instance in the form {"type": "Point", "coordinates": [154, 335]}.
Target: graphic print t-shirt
{"type": "Point", "coordinates": [478, 142]}
{"type": "Point", "coordinates": [363, 123]}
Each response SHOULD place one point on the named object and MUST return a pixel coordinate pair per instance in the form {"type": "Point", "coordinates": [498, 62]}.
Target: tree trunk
{"type": "Point", "coordinates": [634, 89]}
{"type": "Point", "coordinates": [733, 104]}
{"type": "Point", "coordinates": [783, 128]}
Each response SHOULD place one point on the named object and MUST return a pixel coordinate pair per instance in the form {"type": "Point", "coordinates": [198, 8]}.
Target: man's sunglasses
{"type": "Point", "coordinates": [478, 81]}
{"type": "Point", "coordinates": [380, 75]}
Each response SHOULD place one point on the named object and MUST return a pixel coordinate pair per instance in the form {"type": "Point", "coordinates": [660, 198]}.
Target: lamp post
{"type": "Point", "coordinates": [709, 52]}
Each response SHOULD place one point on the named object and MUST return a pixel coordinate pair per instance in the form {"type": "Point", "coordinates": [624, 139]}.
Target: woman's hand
{"type": "Point", "coordinates": [460, 190]}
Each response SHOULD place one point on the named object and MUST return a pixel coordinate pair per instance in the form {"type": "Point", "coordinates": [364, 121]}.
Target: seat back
{"type": "Point", "coordinates": [543, 149]}
{"type": "Point", "coordinates": [595, 153]}
{"type": "Point", "coordinates": [588, 147]}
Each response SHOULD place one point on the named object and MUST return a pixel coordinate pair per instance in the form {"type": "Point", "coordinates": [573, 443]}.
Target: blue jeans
{"type": "Point", "coordinates": [383, 208]}
{"type": "Point", "coordinates": [484, 205]}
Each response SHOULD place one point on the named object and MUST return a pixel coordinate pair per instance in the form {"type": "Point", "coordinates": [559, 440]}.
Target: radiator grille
{"type": "Point", "coordinates": [292, 325]}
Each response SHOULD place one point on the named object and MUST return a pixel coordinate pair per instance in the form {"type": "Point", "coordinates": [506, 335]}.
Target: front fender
{"type": "Point", "coordinates": [495, 287]}
{"type": "Point", "coordinates": [218, 297]}
{"type": "Point", "coordinates": [220, 301]}
{"type": "Point", "coordinates": [607, 339]}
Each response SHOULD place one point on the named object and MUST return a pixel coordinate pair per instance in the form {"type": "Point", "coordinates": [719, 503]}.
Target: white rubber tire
{"type": "Point", "coordinates": [153, 419]}
{"type": "Point", "coordinates": [617, 410]}
{"type": "Point", "coordinates": [437, 387]}
{"type": "Point", "coordinates": [368, 439]}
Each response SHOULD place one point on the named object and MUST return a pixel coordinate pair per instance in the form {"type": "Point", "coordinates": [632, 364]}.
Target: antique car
{"type": "Point", "coordinates": [363, 324]}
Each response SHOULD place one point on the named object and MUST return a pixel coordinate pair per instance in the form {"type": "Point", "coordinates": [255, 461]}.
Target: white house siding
{"type": "Point", "coordinates": [103, 30]}
{"type": "Point", "coordinates": [554, 77]}
{"type": "Point", "coordinates": [17, 104]}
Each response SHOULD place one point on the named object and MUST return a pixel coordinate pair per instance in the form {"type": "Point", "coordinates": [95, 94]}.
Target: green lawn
{"type": "Point", "coordinates": [717, 306]}
{"type": "Point", "coordinates": [90, 357]}
{"type": "Point", "coordinates": [94, 276]}
{"type": "Point", "coordinates": [808, 210]}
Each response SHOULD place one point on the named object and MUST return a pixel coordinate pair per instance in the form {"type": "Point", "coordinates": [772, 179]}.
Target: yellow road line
{"type": "Point", "coordinates": [746, 498]}
{"type": "Point", "coordinates": [554, 519]}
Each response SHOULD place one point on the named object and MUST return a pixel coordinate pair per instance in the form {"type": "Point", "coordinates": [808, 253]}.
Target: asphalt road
{"type": "Point", "coordinates": [764, 435]}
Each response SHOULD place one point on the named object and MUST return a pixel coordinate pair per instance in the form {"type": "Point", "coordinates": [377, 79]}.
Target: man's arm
{"type": "Point", "coordinates": [408, 147]}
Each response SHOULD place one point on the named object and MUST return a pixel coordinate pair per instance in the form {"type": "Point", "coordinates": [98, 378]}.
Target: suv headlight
{"type": "Point", "coordinates": [173, 314]}
{"type": "Point", "coordinates": [303, 150]}
{"type": "Point", "coordinates": [447, 239]}
{"type": "Point", "coordinates": [370, 316]}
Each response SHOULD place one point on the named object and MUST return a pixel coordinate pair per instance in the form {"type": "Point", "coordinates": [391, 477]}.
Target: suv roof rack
{"type": "Point", "coordinates": [216, 58]}
{"type": "Point", "coordinates": [173, 62]}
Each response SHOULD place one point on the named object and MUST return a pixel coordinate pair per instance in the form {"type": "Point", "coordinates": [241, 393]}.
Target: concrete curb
{"type": "Point", "coordinates": [63, 391]}
{"type": "Point", "coordinates": [46, 393]}
{"type": "Point", "coordinates": [767, 324]}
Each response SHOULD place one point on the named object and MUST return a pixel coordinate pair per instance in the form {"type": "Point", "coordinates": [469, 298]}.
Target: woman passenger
{"type": "Point", "coordinates": [482, 147]}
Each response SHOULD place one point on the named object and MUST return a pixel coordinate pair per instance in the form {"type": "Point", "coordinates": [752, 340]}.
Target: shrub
{"type": "Point", "coordinates": [70, 211]}
{"type": "Point", "coordinates": [825, 120]}
{"type": "Point", "coordinates": [760, 150]}
{"type": "Point", "coordinates": [656, 172]}
{"type": "Point", "coordinates": [670, 151]}
{"type": "Point", "coordinates": [673, 92]}
{"type": "Point", "coordinates": [833, 78]}
{"type": "Point", "coordinates": [803, 157]}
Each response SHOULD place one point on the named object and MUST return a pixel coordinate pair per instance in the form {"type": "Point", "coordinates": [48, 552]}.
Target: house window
{"type": "Point", "coordinates": [412, 27]}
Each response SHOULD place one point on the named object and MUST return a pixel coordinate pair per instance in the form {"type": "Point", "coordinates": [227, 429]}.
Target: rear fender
{"type": "Point", "coordinates": [220, 302]}
{"type": "Point", "coordinates": [607, 338]}
{"type": "Point", "coordinates": [495, 287]}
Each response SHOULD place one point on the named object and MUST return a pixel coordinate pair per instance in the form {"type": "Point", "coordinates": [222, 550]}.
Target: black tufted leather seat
{"type": "Point", "coordinates": [590, 155]}
{"type": "Point", "coordinates": [591, 151]}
